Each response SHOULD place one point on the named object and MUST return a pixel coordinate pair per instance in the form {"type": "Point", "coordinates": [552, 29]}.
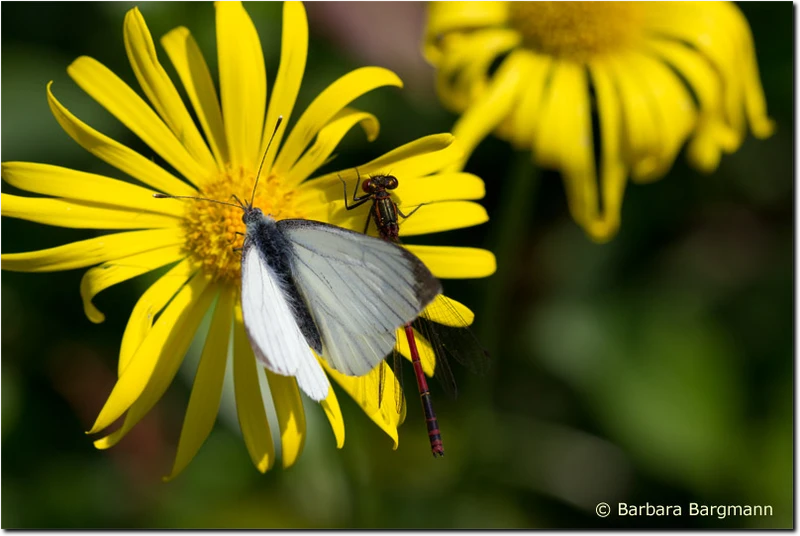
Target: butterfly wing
{"type": "Point", "coordinates": [359, 290]}
{"type": "Point", "coordinates": [271, 325]}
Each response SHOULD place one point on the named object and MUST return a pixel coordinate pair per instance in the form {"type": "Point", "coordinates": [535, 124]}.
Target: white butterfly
{"type": "Point", "coordinates": [309, 285]}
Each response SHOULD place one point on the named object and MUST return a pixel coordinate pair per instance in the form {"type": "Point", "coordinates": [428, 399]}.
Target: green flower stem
{"type": "Point", "coordinates": [516, 205]}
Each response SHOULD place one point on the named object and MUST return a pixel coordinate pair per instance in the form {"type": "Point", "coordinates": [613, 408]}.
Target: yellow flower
{"type": "Point", "coordinates": [656, 73]}
{"type": "Point", "coordinates": [217, 160]}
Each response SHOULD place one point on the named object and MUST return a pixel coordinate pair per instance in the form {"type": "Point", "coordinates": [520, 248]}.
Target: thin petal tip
{"type": "Point", "coordinates": [263, 464]}
{"type": "Point", "coordinates": [178, 32]}
{"type": "Point", "coordinates": [764, 128]}
{"type": "Point", "coordinates": [102, 444]}
{"type": "Point", "coordinates": [94, 315]}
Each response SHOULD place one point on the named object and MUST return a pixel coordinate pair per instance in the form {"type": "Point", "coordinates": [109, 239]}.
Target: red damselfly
{"type": "Point", "coordinates": [441, 329]}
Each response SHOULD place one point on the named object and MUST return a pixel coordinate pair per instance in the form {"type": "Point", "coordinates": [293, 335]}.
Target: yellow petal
{"type": "Point", "coordinates": [331, 407]}
{"type": "Point", "coordinates": [712, 134]}
{"type": "Point", "coordinates": [449, 312]}
{"type": "Point", "coordinates": [207, 387]}
{"type": "Point", "coordinates": [719, 31]}
{"type": "Point", "coordinates": [169, 362]}
{"type": "Point", "coordinates": [160, 353]}
{"type": "Point", "coordinates": [364, 390]}
{"type": "Point", "coordinates": [423, 163]}
{"type": "Point", "coordinates": [243, 82]}
{"type": "Point", "coordinates": [526, 114]}
{"type": "Point", "coordinates": [698, 72]}
{"type": "Point", "coordinates": [613, 173]}
{"type": "Point", "coordinates": [328, 203]}
{"type": "Point", "coordinates": [328, 139]}
{"type": "Point", "coordinates": [642, 139]}
{"type": "Point", "coordinates": [442, 310]}
{"type": "Point", "coordinates": [452, 87]}
{"type": "Point", "coordinates": [454, 262]}
{"type": "Point", "coordinates": [195, 76]}
{"type": "Point", "coordinates": [464, 71]}
{"type": "Point", "coordinates": [291, 418]}
{"type": "Point", "coordinates": [436, 188]}
{"type": "Point", "coordinates": [444, 216]}
{"type": "Point", "coordinates": [118, 98]}
{"type": "Point", "coordinates": [564, 139]}
{"type": "Point", "coordinates": [448, 16]}
{"type": "Point", "coordinates": [329, 103]}
{"type": "Point", "coordinates": [674, 111]}
{"type": "Point", "coordinates": [160, 90]}
{"type": "Point", "coordinates": [546, 136]}
{"type": "Point", "coordinates": [492, 107]}
{"type": "Point", "coordinates": [415, 159]}
{"type": "Point", "coordinates": [154, 299]}
{"type": "Point", "coordinates": [108, 274]}
{"type": "Point", "coordinates": [114, 153]}
{"type": "Point", "coordinates": [444, 17]}
{"type": "Point", "coordinates": [294, 50]}
{"type": "Point", "coordinates": [432, 218]}
{"type": "Point", "coordinates": [579, 162]}
{"type": "Point", "coordinates": [64, 182]}
{"type": "Point", "coordinates": [80, 214]}
{"type": "Point", "coordinates": [249, 404]}
{"type": "Point", "coordinates": [92, 251]}
{"type": "Point", "coordinates": [754, 100]}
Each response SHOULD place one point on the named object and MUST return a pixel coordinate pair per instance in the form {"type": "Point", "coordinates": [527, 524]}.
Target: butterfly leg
{"type": "Point", "coordinates": [237, 233]}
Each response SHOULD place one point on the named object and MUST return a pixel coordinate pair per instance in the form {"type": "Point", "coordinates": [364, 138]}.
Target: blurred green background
{"type": "Point", "coordinates": [656, 368]}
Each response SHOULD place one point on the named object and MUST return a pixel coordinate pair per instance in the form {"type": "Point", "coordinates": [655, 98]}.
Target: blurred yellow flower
{"type": "Point", "coordinates": [217, 160]}
{"type": "Point", "coordinates": [656, 74]}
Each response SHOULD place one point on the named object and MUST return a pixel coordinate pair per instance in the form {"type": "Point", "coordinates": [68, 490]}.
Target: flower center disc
{"type": "Point", "coordinates": [577, 30]}
{"type": "Point", "coordinates": [215, 232]}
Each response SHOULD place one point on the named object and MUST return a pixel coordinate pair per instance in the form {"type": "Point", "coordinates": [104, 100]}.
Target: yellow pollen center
{"type": "Point", "coordinates": [577, 30]}
{"type": "Point", "coordinates": [215, 233]}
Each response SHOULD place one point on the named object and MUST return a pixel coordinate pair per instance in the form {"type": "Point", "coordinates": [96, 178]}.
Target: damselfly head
{"type": "Point", "coordinates": [379, 183]}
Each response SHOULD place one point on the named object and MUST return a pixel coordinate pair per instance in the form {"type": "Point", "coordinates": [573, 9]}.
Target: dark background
{"type": "Point", "coordinates": [655, 368]}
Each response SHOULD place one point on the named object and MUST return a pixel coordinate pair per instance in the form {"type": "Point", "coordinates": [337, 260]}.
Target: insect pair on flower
{"type": "Point", "coordinates": [313, 288]}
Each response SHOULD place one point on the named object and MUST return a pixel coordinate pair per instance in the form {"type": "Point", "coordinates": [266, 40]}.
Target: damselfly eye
{"type": "Point", "coordinates": [367, 186]}
{"type": "Point", "coordinates": [391, 183]}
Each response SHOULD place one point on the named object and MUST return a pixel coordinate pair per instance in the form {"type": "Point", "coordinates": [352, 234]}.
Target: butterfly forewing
{"type": "Point", "coordinates": [359, 290]}
{"type": "Point", "coordinates": [272, 326]}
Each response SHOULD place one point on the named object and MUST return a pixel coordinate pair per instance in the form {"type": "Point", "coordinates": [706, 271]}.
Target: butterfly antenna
{"type": "Point", "coordinates": [165, 196]}
{"type": "Point", "coordinates": [261, 165]}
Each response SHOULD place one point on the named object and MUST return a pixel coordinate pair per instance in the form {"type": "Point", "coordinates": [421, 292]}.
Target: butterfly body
{"type": "Point", "coordinates": [264, 235]}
